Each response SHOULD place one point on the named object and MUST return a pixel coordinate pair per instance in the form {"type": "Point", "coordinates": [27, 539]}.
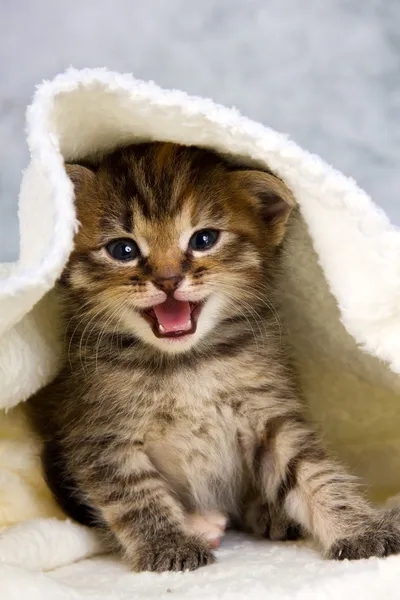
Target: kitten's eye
{"type": "Point", "coordinates": [204, 239]}
{"type": "Point", "coordinates": [123, 250]}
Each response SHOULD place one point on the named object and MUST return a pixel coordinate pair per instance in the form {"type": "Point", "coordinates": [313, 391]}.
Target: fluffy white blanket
{"type": "Point", "coordinates": [341, 307]}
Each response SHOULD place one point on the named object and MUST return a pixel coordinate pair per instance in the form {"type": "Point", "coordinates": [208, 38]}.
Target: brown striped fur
{"type": "Point", "coordinates": [142, 436]}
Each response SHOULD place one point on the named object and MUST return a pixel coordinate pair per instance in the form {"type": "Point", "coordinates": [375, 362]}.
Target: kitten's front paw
{"type": "Point", "coordinates": [365, 545]}
{"type": "Point", "coordinates": [175, 552]}
{"type": "Point", "coordinates": [380, 537]}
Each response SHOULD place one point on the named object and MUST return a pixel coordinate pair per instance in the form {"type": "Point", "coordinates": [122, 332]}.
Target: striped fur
{"type": "Point", "coordinates": [141, 437]}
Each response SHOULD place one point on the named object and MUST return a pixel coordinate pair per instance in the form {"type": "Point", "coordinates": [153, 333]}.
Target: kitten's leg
{"type": "Point", "coordinates": [211, 526]}
{"type": "Point", "coordinates": [295, 473]}
{"type": "Point", "coordinates": [265, 520]}
{"type": "Point", "coordinates": [141, 517]}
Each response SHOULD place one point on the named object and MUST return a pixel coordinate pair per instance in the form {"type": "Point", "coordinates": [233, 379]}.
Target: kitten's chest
{"type": "Point", "coordinates": [192, 406]}
{"type": "Point", "coordinates": [193, 439]}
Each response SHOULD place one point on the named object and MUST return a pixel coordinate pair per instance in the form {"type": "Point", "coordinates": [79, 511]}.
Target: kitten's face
{"type": "Point", "coordinates": [172, 241]}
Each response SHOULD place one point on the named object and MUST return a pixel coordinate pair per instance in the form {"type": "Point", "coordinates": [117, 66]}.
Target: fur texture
{"type": "Point", "coordinates": [144, 431]}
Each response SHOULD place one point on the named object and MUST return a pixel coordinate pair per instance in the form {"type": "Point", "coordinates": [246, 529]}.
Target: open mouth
{"type": "Point", "coordinates": [173, 318]}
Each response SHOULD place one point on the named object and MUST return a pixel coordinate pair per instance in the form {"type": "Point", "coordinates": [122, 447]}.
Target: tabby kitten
{"type": "Point", "coordinates": [175, 410]}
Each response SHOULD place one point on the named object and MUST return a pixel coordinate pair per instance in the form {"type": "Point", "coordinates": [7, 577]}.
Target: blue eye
{"type": "Point", "coordinates": [203, 239]}
{"type": "Point", "coordinates": [123, 250]}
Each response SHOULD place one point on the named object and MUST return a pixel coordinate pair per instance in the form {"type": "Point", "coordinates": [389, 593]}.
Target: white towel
{"type": "Point", "coordinates": [341, 307]}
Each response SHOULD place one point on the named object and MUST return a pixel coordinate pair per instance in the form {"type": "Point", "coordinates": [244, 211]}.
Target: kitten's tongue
{"type": "Point", "coordinates": [173, 315]}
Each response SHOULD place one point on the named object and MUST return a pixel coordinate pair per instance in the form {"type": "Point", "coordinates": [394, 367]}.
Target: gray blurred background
{"type": "Point", "coordinates": [327, 72]}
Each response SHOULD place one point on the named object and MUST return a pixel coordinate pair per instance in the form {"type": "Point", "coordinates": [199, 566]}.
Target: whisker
{"type": "Point", "coordinates": [254, 293]}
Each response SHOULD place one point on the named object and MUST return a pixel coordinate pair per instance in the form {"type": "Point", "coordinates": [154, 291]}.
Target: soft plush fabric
{"type": "Point", "coordinates": [340, 306]}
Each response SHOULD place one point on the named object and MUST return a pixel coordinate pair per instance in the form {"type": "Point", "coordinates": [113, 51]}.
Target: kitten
{"type": "Point", "coordinates": [176, 409]}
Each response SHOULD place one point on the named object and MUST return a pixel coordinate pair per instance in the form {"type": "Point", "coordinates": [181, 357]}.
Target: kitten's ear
{"type": "Point", "coordinates": [273, 198]}
{"type": "Point", "coordinates": [80, 176]}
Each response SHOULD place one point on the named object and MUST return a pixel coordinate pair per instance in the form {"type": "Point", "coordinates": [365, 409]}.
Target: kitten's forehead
{"type": "Point", "coordinates": [162, 231]}
{"type": "Point", "coordinates": [159, 193]}
{"type": "Point", "coordinates": [164, 187]}
{"type": "Point", "coordinates": [159, 177]}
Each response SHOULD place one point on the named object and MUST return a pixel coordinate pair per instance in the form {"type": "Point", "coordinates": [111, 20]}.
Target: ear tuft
{"type": "Point", "coordinates": [271, 196]}
{"type": "Point", "coordinates": [79, 175]}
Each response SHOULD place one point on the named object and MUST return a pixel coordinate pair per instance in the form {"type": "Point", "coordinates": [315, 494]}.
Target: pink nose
{"type": "Point", "coordinates": [168, 284]}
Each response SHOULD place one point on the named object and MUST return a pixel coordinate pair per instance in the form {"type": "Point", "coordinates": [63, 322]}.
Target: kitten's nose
{"type": "Point", "coordinates": [168, 284]}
